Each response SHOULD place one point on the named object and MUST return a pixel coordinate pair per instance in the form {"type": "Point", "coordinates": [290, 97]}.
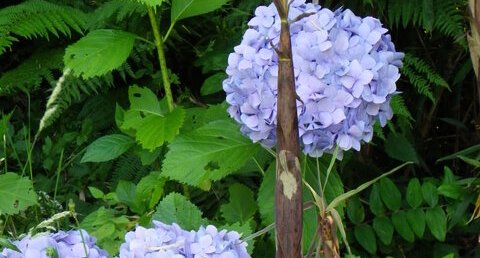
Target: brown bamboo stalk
{"type": "Point", "coordinates": [288, 186]}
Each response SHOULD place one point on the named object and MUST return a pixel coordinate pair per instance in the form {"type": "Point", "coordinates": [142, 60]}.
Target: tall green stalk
{"type": "Point", "coordinates": [161, 58]}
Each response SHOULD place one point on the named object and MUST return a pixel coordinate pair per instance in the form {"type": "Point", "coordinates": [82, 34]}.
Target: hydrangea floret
{"type": "Point", "coordinates": [345, 70]}
{"type": "Point", "coordinates": [171, 241]}
{"type": "Point", "coordinates": [72, 244]}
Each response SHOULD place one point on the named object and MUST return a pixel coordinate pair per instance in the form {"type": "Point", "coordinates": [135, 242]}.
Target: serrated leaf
{"type": "Point", "coordinates": [144, 100]}
{"type": "Point", "coordinates": [242, 205]}
{"type": "Point", "coordinates": [416, 219]}
{"type": "Point", "coordinates": [266, 197]}
{"type": "Point", "coordinates": [437, 222]}
{"type": "Point", "coordinates": [430, 195]}
{"type": "Point", "coordinates": [398, 147]}
{"type": "Point", "coordinates": [182, 9]}
{"type": "Point", "coordinates": [99, 52]}
{"type": "Point", "coordinates": [213, 84]}
{"type": "Point", "coordinates": [16, 193]}
{"type": "Point", "coordinates": [155, 130]}
{"type": "Point", "coordinates": [366, 237]}
{"type": "Point", "coordinates": [355, 210]}
{"type": "Point", "coordinates": [384, 229]}
{"type": "Point", "coordinates": [400, 222]}
{"type": "Point", "coordinates": [390, 194]}
{"type": "Point", "coordinates": [198, 117]}
{"type": "Point", "coordinates": [210, 152]}
{"type": "Point", "coordinates": [375, 201]}
{"type": "Point", "coordinates": [107, 148]}
{"type": "Point", "coordinates": [175, 208]}
{"type": "Point", "coordinates": [414, 193]}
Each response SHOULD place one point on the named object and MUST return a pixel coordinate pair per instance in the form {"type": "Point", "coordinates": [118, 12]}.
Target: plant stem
{"type": "Point", "coordinates": [161, 58]}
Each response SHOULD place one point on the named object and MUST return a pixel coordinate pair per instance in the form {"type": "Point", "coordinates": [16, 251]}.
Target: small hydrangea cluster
{"type": "Point", "coordinates": [60, 244]}
{"type": "Point", "coordinates": [345, 71]}
{"type": "Point", "coordinates": [170, 241]}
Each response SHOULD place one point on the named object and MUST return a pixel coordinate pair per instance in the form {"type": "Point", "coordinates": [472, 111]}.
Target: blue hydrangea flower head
{"type": "Point", "coordinates": [64, 244]}
{"type": "Point", "coordinates": [171, 241]}
{"type": "Point", "coordinates": [345, 71]}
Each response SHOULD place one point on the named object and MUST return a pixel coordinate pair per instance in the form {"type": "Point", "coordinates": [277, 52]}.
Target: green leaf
{"type": "Point", "coordinates": [375, 201]}
{"type": "Point", "coordinates": [5, 243]}
{"type": "Point", "coordinates": [198, 117]}
{"type": "Point", "coordinates": [175, 208]}
{"type": "Point", "coordinates": [96, 193]}
{"type": "Point", "coordinates": [149, 191]}
{"type": "Point", "coordinates": [210, 152]}
{"type": "Point", "coordinates": [400, 222]}
{"type": "Point", "coordinates": [107, 148]}
{"type": "Point", "coordinates": [366, 237]}
{"type": "Point", "coordinates": [451, 191]}
{"type": "Point", "coordinates": [416, 219]}
{"type": "Point", "coordinates": [414, 193]}
{"type": "Point", "coordinates": [144, 100]}
{"type": "Point", "coordinates": [355, 210]}
{"type": "Point", "coordinates": [398, 147]}
{"type": "Point", "coordinates": [384, 229]}
{"type": "Point", "coordinates": [213, 84]}
{"type": "Point", "coordinates": [242, 205]}
{"type": "Point", "coordinates": [473, 162]}
{"type": "Point", "coordinates": [244, 230]}
{"type": "Point", "coordinates": [154, 130]}
{"type": "Point", "coordinates": [16, 193]}
{"type": "Point", "coordinates": [266, 196]}
{"type": "Point", "coordinates": [151, 3]}
{"type": "Point", "coordinates": [390, 194]}
{"type": "Point", "coordinates": [437, 222]}
{"type": "Point", "coordinates": [182, 9]}
{"type": "Point", "coordinates": [126, 192]}
{"type": "Point", "coordinates": [430, 195]}
{"type": "Point", "coordinates": [99, 52]}
{"type": "Point", "coordinates": [428, 15]}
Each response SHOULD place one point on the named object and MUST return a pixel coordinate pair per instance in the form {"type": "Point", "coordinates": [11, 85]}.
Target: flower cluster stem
{"type": "Point", "coordinates": [161, 58]}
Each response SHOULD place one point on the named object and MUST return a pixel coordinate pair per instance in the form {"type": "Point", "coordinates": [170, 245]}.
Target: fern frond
{"type": "Point", "coordinates": [422, 76]}
{"type": "Point", "coordinates": [399, 108]}
{"type": "Point", "coordinates": [115, 9]}
{"type": "Point", "coordinates": [30, 74]}
{"type": "Point", "coordinates": [128, 167]}
{"type": "Point", "coordinates": [38, 18]}
{"type": "Point", "coordinates": [450, 19]}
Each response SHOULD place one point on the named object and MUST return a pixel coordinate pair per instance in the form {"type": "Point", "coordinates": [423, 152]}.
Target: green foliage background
{"type": "Point", "coordinates": [84, 117]}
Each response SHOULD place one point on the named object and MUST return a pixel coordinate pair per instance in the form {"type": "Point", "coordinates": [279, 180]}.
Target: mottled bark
{"type": "Point", "coordinates": [288, 187]}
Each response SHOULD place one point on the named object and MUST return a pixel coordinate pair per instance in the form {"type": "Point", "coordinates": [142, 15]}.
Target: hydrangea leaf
{"type": "Point", "coordinates": [144, 100]}
{"type": "Point", "coordinates": [266, 196]}
{"type": "Point", "coordinates": [99, 52]}
{"type": "Point", "coordinates": [212, 84]}
{"type": "Point", "coordinates": [198, 117]}
{"type": "Point", "coordinates": [154, 130]}
{"type": "Point", "coordinates": [107, 148]}
{"type": "Point", "coordinates": [16, 193]}
{"type": "Point", "coordinates": [210, 152]}
{"type": "Point", "coordinates": [175, 208]}
{"type": "Point", "coordinates": [242, 205]}
{"type": "Point", "coordinates": [182, 9]}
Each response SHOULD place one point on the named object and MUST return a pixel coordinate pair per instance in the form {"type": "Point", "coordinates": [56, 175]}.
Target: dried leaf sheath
{"type": "Point", "coordinates": [288, 187]}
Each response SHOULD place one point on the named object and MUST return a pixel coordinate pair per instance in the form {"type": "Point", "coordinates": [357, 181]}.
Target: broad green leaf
{"type": "Point", "coordinates": [451, 191]}
{"type": "Point", "coordinates": [398, 147]}
{"type": "Point", "coordinates": [384, 229]}
{"type": "Point", "coordinates": [437, 222]}
{"type": "Point", "coordinates": [416, 219]}
{"type": "Point", "coordinates": [400, 222]}
{"type": "Point", "coordinates": [107, 148]}
{"type": "Point", "coordinates": [355, 210]}
{"type": "Point", "coordinates": [149, 191]}
{"type": "Point", "coordinates": [155, 130]}
{"type": "Point", "coordinates": [198, 117]}
{"type": "Point", "coordinates": [266, 196]}
{"type": "Point", "coordinates": [16, 193]}
{"type": "Point", "coordinates": [144, 100]}
{"type": "Point", "coordinates": [99, 52]}
{"type": "Point", "coordinates": [430, 195]}
{"type": "Point", "coordinates": [366, 237]}
{"type": "Point", "coordinates": [96, 193]}
{"type": "Point", "coordinates": [213, 84]}
{"type": "Point", "coordinates": [414, 193]}
{"type": "Point", "coordinates": [182, 9]}
{"type": "Point", "coordinates": [242, 205]}
{"type": "Point", "coordinates": [119, 115]}
{"type": "Point", "coordinates": [126, 192]}
{"type": "Point", "coordinates": [151, 3]}
{"type": "Point", "coordinates": [208, 153]}
{"type": "Point", "coordinates": [375, 201]}
{"type": "Point", "coordinates": [390, 194]}
{"type": "Point", "coordinates": [448, 176]}
{"type": "Point", "coordinates": [175, 208]}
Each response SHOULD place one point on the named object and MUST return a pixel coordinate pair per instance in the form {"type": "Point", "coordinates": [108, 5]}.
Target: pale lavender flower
{"type": "Point", "coordinates": [345, 71]}
{"type": "Point", "coordinates": [64, 244]}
